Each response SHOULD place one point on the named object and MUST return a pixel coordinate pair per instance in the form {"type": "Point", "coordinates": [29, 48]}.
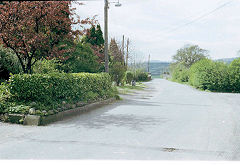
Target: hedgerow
{"type": "Point", "coordinates": [209, 75]}
{"type": "Point", "coordinates": [47, 88]}
{"type": "Point", "coordinates": [234, 75]}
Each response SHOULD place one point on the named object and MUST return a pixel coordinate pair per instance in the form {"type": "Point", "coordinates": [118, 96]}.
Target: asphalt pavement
{"type": "Point", "coordinates": [165, 121]}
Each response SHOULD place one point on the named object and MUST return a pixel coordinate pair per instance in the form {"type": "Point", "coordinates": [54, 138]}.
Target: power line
{"type": "Point", "coordinates": [202, 16]}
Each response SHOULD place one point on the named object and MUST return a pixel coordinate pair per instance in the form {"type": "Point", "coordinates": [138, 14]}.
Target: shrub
{"type": "Point", "coordinates": [47, 88]}
{"type": "Point", "coordinates": [142, 76]}
{"type": "Point", "coordinates": [180, 73]}
{"type": "Point", "coordinates": [46, 66]}
{"type": "Point", "coordinates": [210, 75]}
{"type": "Point", "coordinates": [9, 63]}
{"type": "Point", "coordinates": [234, 75]}
{"type": "Point", "coordinates": [117, 71]}
{"type": "Point", "coordinates": [4, 96]}
{"type": "Point", "coordinates": [129, 77]}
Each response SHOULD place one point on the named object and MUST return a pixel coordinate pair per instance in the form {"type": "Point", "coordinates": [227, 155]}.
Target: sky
{"type": "Point", "coordinates": [161, 27]}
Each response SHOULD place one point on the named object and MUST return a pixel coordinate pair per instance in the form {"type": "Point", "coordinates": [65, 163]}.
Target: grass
{"type": "Point", "coordinates": [126, 89]}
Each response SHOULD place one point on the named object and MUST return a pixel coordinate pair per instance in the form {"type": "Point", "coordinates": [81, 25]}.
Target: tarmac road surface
{"type": "Point", "coordinates": [166, 121]}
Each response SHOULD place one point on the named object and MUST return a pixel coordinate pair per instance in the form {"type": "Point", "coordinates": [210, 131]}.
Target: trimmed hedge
{"type": "Point", "coordinates": [234, 75]}
{"type": "Point", "coordinates": [47, 88]}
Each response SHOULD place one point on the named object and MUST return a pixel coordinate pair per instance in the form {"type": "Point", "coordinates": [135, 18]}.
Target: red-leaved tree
{"type": "Point", "coordinates": [37, 29]}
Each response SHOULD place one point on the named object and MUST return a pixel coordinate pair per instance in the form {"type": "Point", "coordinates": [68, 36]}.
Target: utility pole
{"type": "Point", "coordinates": [148, 62]}
{"type": "Point", "coordinates": [123, 48]}
{"type": "Point", "coordinates": [106, 35]}
{"type": "Point", "coordinates": [127, 52]}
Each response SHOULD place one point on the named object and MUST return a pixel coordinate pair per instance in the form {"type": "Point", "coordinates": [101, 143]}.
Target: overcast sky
{"type": "Point", "coordinates": [160, 27]}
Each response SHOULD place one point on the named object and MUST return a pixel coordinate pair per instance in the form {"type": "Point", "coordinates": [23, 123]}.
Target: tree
{"type": "Point", "coordinates": [117, 68]}
{"type": "Point", "coordinates": [82, 59]}
{"type": "Point", "coordinates": [189, 54]}
{"type": "Point", "coordinates": [36, 29]}
{"type": "Point", "coordinates": [94, 36]}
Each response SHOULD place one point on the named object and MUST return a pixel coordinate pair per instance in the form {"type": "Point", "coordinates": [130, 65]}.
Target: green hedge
{"type": "Point", "coordinates": [234, 75]}
{"type": "Point", "coordinates": [210, 75]}
{"type": "Point", "coordinates": [59, 86]}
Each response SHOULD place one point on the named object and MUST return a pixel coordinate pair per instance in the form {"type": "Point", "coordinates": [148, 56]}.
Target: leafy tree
{"type": "Point", "coordinates": [189, 54]}
{"type": "Point", "coordinates": [82, 59]}
{"type": "Point", "coordinates": [35, 29]}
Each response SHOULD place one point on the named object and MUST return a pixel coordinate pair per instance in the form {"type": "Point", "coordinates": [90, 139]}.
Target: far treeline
{"type": "Point", "coordinates": [192, 65]}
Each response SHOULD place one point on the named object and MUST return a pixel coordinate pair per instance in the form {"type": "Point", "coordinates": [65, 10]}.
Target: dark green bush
{"type": "Point", "coordinates": [129, 77]}
{"type": "Point", "coordinates": [143, 76]}
{"type": "Point", "coordinates": [234, 75]}
{"type": "Point", "coordinates": [9, 63]}
{"type": "Point", "coordinates": [47, 88]}
{"type": "Point", "coordinates": [210, 75]}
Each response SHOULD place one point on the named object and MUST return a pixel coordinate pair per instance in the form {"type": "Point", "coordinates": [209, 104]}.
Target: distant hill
{"type": "Point", "coordinates": [227, 60]}
{"type": "Point", "coordinates": [157, 67]}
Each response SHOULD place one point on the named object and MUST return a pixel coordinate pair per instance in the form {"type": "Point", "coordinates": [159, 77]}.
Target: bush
{"type": "Point", "coordinates": [9, 63]}
{"type": "Point", "coordinates": [210, 75]}
{"type": "Point", "coordinates": [234, 75]}
{"type": "Point", "coordinates": [46, 66]}
{"type": "Point", "coordinates": [117, 71]}
{"type": "Point", "coordinates": [48, 88]}
{"type": "Point", "coordinates": [4, 96]}
{"type": "Point", "coordinates": [129, 77]}
{"type": "Point", "coordinates": [141, 75]}
{"type": "Point", "coordinates": [179, 73]}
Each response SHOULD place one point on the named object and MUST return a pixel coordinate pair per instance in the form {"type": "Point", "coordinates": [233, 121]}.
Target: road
{"type": "Point", "coordinates": [166, 121]}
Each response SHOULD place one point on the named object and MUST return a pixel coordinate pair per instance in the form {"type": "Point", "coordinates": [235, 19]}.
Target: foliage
{"type": "Point", "coordinates": [46, 66]}
{"type": "Point", "coordinates": [8, 63]}
{"type": "Point", "coordinates": [117, 67]}
{"type": "Point", "coordinates": [82, 60]}
{"type": "Point", "coordinates": [4, 96]}
{"type": "Point", "coordinates": [140, 75]}
{"type": "Point", "coordinates": [129, 77]}
{"type": "Point", "coordinates": [54, 87]}
{"type": "Point", "coordinates": [179, 73]}
{"type": "Point", "coordinates": [209, 75]}
{"type": "Point", "coordinates": [189, 54]}
{"type": "Point", "coordinates": [94, 37]}
{"type": "Point", "coordinates": [117, 71]}
{"type": "Point", "coordinates": [115, 52]}
{"type": "Point", "coordinates": [234, 75]}
{"type": "Point", "coordinates": [35, 30]}
{"type": "Point", "coordinates": [19, 109]}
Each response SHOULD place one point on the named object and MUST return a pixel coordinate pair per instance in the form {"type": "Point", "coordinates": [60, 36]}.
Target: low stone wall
{"type": "Point", "coordinates": [44, 120]}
